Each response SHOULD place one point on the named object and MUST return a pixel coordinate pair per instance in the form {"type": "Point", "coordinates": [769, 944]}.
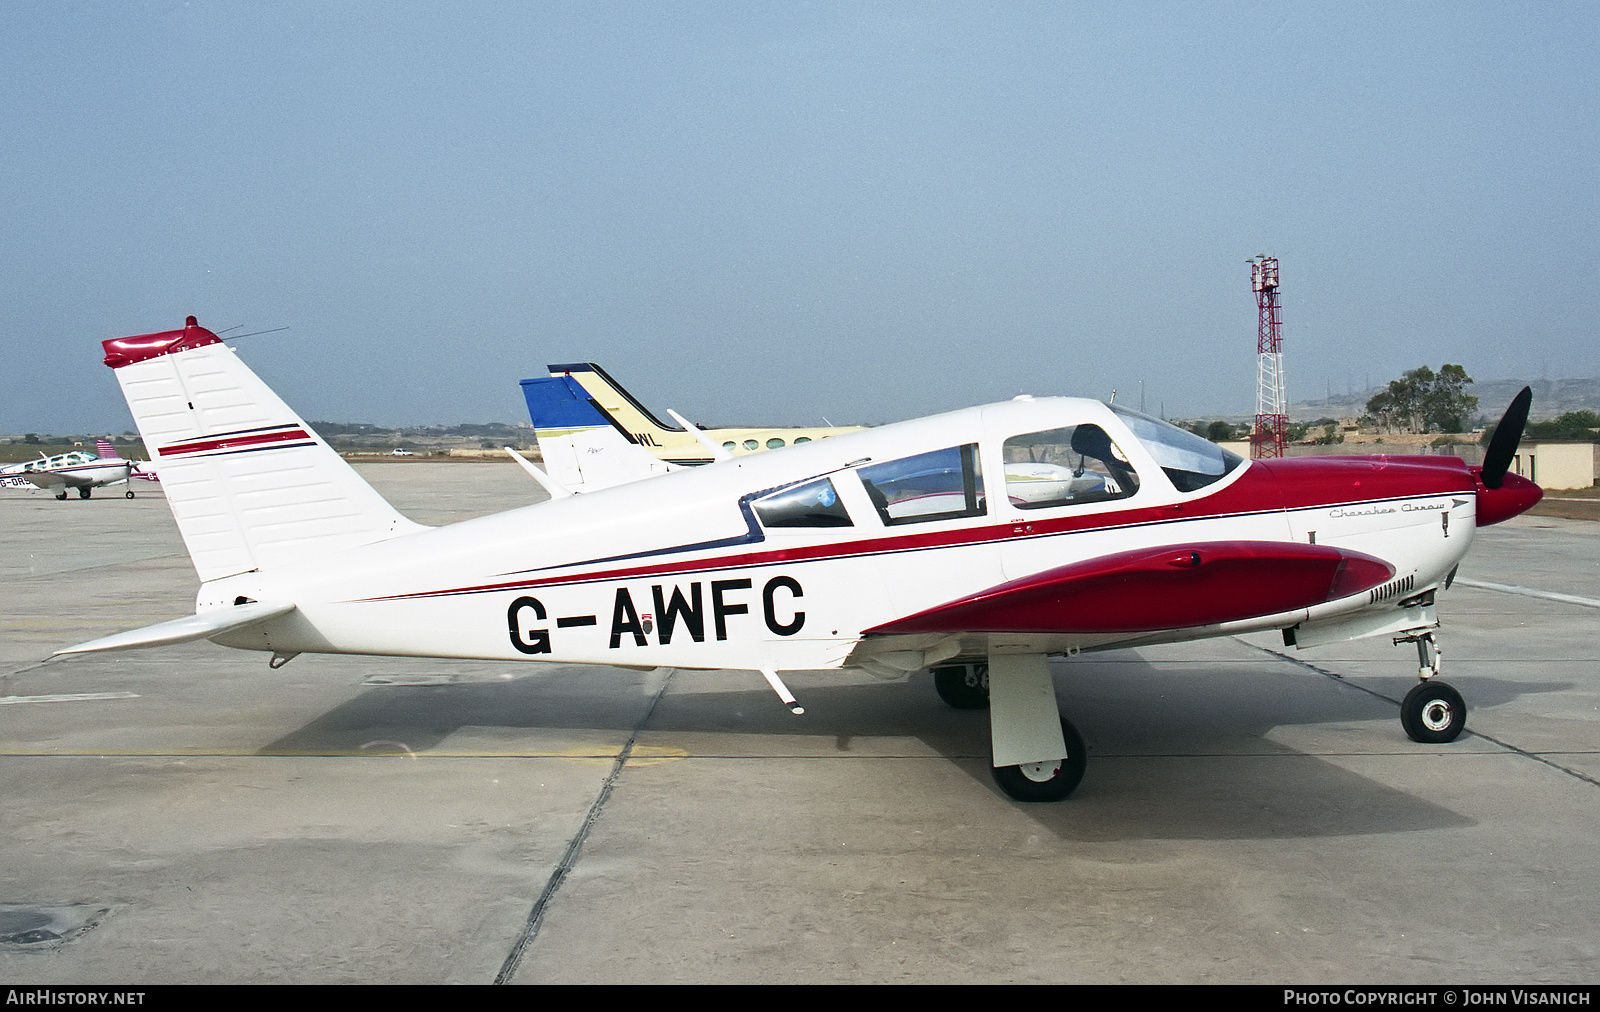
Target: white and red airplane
{"type": "Point", "coordinates": [895, 549]}
{"type": "Point", "coordinates": [76, 469]}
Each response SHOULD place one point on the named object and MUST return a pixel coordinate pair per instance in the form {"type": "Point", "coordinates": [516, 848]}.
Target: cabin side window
{"type": "Point", "coordinates": [1064, 467]}
{"type": "Point", "coordinates": [810, 504]}
{"type": "Point", "coordinates": [941, 485]}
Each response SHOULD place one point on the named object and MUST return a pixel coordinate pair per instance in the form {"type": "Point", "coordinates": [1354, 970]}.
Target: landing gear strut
{"type": "Point", "coordinates": [1433, 712]}
{"type": "Point", "coordinates": [1037, 754]}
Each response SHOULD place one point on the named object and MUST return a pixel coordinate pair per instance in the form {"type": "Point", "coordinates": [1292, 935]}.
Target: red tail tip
{"type": "Point", "coordinates": [121, 351]}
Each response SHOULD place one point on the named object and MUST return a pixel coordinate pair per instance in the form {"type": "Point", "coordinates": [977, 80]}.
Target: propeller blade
{"type": "Point", "coordinates": [1497, 459]}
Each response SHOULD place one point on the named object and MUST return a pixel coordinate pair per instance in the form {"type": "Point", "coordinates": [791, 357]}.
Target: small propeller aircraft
{"type": "Point", "coordinates": [976, 543]}
{"type": "Point", "coordinates": [76, 469]}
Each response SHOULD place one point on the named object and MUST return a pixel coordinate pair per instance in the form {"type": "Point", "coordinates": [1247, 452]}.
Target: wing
{"type": "Point", "coordinates": [1172, 587]}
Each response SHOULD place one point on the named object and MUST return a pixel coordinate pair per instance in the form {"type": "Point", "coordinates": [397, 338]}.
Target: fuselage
{"type": "Point", "coordinates": [785, 560]}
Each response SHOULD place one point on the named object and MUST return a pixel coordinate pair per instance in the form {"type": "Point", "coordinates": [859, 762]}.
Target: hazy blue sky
{"type": "Point", "coordinates": [778, 211]}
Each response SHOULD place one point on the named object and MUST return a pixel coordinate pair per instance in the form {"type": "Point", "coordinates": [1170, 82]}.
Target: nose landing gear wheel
{"type": "Point", "coordinates": [1433, 713]}
{"type": "Point", "coordinates": [1050, 781]}
{"type": "Point", "coordinates": [963, 686]}
{"type": "Point", "coordinates": [128, 494]}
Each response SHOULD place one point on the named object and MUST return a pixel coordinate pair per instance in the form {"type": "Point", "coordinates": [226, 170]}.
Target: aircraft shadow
{"type": "Point", "coordinates": [1177, 751]}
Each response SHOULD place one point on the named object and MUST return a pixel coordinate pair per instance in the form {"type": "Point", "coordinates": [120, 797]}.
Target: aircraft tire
{"type": "Point", "coordinates": [83, 493]}
{"type": "Point", "coordinates": [1433, 713]}
{"type": "Point", "coordinates": [62, 495]}
{"type": "Point", "coordinates": [1068, 775]}
{"type": "Point", "coordinates": [963, 686]}
{"type": "Point", "coordinates": [129, 493]}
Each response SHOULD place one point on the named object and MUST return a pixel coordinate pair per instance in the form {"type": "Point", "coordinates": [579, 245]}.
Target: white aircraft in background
{"type": "Point", "coordinates": [76, 469]}
{"type": "Point", "coordinates": [594, 434]}
{"type": "Point", "coordinates": [601, 400]}
{"type": "Point", "coordinates": [892, 550]}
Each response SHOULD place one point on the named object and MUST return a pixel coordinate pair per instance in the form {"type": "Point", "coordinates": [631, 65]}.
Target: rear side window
{"type": "Point", "coordinates": [940, 485]}
{"type": "Point", "coordinates": [812, 504]}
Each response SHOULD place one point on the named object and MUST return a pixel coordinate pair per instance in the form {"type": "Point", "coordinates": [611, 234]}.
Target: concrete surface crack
{"type": "Point", "coordinates": [569, 857]}
{"type": "Point", "coordinates": [1479, 734]}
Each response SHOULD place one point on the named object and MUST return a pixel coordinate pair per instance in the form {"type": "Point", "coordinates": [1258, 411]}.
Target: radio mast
{"type": "Point", "coordinates": [1271, 431]}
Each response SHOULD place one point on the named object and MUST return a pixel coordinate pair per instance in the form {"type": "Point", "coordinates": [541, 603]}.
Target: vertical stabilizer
{"type": "Point", "coordinates": [620, 407]}
{"type": "Point", "coordinates": [583, 448]}
{"type": "Point", "coordinates": [251, 485]}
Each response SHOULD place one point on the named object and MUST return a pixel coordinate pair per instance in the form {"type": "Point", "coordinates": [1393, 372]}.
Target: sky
{"type": "Point", "coordinates": [776, 213]}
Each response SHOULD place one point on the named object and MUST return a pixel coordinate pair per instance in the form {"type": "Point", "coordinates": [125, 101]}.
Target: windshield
{"type": "Point", "coordinates": [1189, 460]}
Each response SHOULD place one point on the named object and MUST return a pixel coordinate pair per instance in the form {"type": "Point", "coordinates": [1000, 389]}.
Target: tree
{"type": "Point", "coordinates": [1423, 401]}
{"type": "Point", "coordinates": [1572, 425]}
{"type": "Point", "coordinates": [1447, 406]}
{"type": "Point", "coordinates": [1220, 431]}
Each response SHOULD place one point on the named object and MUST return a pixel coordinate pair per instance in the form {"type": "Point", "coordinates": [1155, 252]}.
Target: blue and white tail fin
{"type": "Point", "coordinates": [583, 447]}
{"type": "Point", "coordinates": [251, 485]}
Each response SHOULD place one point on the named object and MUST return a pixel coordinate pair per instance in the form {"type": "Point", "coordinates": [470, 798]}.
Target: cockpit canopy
{"type": "Point", "coordinates": [1049, 468]}
{"type": "Point", "coordinates": [77, 458]}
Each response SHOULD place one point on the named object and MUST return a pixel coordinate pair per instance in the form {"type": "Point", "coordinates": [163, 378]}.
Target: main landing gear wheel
{"type": "Point", "coordinates": [129, 493]}
{"type": "Point", "coordinates": [62, 495]}
{"type": "Point", "coordinates": [1433, 713]}
{"type": "Point", "coordinates": [963, 686]}
{"type": "Point", "coordinates": [1050, 781]}
{"type": "Point", "coordinates": [83, 493]}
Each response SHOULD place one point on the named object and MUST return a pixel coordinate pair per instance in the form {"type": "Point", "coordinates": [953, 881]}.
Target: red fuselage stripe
{"type": "Point", "coordinates": [1017, 531]}
{"type": "Point", "coordinates": [233, 441]}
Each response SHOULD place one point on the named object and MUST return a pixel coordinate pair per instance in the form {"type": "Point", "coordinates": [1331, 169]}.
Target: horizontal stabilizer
{"type": "Point", "coordinates": [549, 484]}
{"type": "Point", "coordinates": [182, 630]}
{"type": "Point", "coordinates": [717, 450]}
{"type": "Point", "coordinates": [1173, 587]}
